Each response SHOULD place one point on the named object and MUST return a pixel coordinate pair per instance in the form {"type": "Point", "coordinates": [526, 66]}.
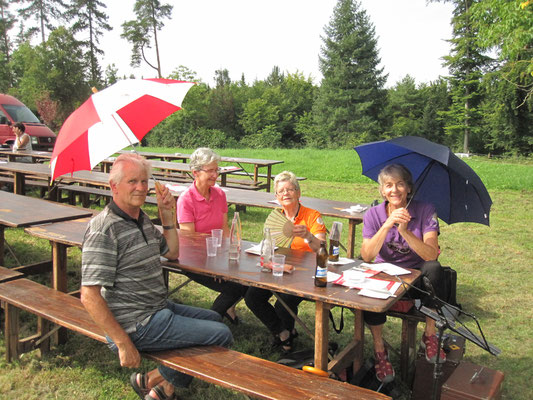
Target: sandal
{"type": "Point", "coordinates": [139, 383]}
{"type": "Point", "coordinates": [286, 345]}
{"type": "Point", "coordinates": [160, 393]}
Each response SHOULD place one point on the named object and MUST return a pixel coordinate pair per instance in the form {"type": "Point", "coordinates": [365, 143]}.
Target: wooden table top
{"type": "Point", "coordinates": [27, 153]}
{"type": "Point", "coordinates": [19, 211]}
{"type": "Point", "coordinates": [246, 271]}
{"type": "Point", "coordinates": [184, 156]}
{"type": "Point", "coordinates": [7, 275]}
{"type": "Point", "coordinates": [178, 167]}
{"type": "Point", "coordinates": [193, 258]}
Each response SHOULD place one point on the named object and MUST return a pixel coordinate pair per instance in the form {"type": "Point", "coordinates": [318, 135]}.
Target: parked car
{"type": "Point", "coordinates": [13, 111]}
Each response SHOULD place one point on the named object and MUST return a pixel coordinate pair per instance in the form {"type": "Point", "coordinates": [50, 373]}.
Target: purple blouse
{"type": "Point", "coordinates": [395, 249]}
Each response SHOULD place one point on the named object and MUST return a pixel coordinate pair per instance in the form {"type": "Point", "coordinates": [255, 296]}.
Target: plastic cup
{"type": "Point", "coordinates": [278, 262]}
{"type": "Point", "coordinates": [218, 234]}
{"type": "Point", "coordinates": [211, 246]}
{"type": "Point", "coordinates": [234, 251]}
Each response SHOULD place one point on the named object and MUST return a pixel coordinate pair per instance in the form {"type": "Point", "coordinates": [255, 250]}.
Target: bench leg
{"type": "Point", "coordinates": [11, 332]}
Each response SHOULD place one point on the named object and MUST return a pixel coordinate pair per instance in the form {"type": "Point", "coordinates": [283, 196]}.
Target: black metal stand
{"type": "Point", "coordinates": [446, 316]}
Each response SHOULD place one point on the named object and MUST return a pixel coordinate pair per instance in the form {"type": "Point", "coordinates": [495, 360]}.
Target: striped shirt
{"type": "Point", "coordinates": [121, 254]}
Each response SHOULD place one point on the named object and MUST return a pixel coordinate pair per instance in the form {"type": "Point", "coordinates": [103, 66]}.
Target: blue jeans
{"type": "Point", "coordinates": [178, 326]}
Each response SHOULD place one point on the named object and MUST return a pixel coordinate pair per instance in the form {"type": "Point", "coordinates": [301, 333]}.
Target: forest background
{"type": "Point", "coordinates": [484, 106]}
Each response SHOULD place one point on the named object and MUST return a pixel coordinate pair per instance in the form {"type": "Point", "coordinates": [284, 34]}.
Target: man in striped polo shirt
{"type": "Point", "coordinates": [122, 282]}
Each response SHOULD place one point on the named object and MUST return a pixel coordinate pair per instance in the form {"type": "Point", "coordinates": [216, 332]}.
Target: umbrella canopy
{"type": "Point", "coordinates": [440, 177]}
{"type": "Point", "coordinates": [112, 119]}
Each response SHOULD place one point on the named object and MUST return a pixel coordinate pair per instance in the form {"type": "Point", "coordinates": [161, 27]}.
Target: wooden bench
{"type": "Point", "coordinates": [253, 376]}
{"type": "Point", "coordinates": [86, 191]}
{"type": "Point", "coordinates": [251, 175]}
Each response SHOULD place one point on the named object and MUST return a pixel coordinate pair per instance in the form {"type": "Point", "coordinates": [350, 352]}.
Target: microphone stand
{"type": "Point", "coordinates": [442, 322]}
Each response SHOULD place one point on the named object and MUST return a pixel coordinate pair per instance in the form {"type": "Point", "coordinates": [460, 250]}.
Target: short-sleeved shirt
{"type": "Point", "coordinates": [206, 215]}
{"type": "Point", "coordinates": [121, 254]}
{"type": "Point", "coordinates": [395, 248]}
{"type": "Point", "coordinates": [314, 223]}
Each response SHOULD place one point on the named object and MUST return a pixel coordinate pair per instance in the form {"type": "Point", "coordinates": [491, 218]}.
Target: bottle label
{"type": "Point", "coordinates": [335, 251]}
{"type": "Point", "coordinates": [321, 272]}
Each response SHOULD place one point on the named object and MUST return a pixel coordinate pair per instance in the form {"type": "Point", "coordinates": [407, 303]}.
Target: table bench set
{"type": "Point", "coordinates": [251, 375]}
{"type": "Point", "coordinates": [64, 225]}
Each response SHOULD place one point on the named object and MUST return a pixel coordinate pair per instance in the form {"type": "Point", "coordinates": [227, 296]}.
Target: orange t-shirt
{"type": "Point", "coordinates": [314, 223]}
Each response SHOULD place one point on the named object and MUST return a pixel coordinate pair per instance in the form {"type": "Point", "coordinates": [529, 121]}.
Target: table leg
{"type": "Point", "coordinates": [18, 183]}
{"type": "Point", "coordinates": [59, 279]}
{"type": "Point", "coordinates": [269, 176]}
{"type": "Point", "coordinates": [351, 238]}
{"type": "Point", "coordinates": [359, 337]}
{"type": "Point", "coordinates": [2, 248]}
{"type": "Point", "coordinates": [321, 335]}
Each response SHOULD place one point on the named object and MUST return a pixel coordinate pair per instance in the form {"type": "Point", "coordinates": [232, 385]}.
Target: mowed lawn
{"type": "Point", "coordinates": [493, 265]}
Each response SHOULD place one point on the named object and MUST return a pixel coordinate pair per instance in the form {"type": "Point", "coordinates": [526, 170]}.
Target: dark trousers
{"type": "Point", "coordinates": [431, 269]}
{"type": "Point", "coordinates": [276, 318]}
{"type": "Point", "coordinates": [230, 292]}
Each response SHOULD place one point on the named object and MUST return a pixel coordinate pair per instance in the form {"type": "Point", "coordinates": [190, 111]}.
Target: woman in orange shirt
{"type": "Point", "coordinates": [309, 230]}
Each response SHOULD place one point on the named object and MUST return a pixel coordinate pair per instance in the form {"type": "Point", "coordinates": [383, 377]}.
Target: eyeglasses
{"type": "Point", "coordinates": [212, 171]}
{"type": "Point", "coordinates": [288, 191]}
{"type": "Point", "coordinates": [398, 247]}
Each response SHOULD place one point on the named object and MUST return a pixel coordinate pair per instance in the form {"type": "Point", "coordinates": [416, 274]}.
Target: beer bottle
{"type": "Point", "coordinates": [334, 241]}
{"type": "Point", "coordinates": [321, 272]}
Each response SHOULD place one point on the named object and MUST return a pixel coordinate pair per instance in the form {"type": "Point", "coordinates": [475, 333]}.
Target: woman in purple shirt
{"type": "Point", "coordinates": [404, 233]}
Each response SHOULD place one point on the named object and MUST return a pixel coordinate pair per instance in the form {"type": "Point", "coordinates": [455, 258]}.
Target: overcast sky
{"type": "Point", "coordinates": [252, 36]}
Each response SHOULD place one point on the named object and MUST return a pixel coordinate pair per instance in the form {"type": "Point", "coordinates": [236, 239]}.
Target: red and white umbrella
{"type": "Point", "coordinates": [113, 119]}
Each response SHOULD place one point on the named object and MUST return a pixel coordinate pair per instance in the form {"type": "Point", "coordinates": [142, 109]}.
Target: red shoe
{"type": "Point", "coordinates": [384, 370]}
{"type": "Point", "coordinates": [431, 344]}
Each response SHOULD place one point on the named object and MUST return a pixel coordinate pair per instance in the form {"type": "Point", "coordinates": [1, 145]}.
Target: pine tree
{"type": "Point", "coordinates": [90, 19]}
{"type": "Point", "coordinates": [466, 64]}
{"type": "Point", "coordinates": [140, 31]}
{"type": "Point", "coordinates": [43, 11]}
{"type": "Point", "coordinates": [351, 97]}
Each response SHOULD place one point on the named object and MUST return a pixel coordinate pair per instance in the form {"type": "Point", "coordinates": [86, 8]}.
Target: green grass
{"type": "Point", "coordinates": [493, 265]}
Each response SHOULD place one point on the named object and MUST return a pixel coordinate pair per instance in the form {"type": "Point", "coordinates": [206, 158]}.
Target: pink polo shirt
{"type": "Point", "coordinates": [206, 215]}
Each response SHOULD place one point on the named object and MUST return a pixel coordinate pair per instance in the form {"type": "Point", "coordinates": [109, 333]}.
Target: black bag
{"type": "Point", "coordinates": [450, 286]}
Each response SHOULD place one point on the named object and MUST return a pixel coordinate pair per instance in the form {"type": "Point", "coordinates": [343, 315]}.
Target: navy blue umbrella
{"type": "Point", "coordinates": [441, 178]}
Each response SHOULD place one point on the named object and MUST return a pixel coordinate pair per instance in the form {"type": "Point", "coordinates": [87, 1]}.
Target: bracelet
{"type": "Point", "coordinates": [168, 227]}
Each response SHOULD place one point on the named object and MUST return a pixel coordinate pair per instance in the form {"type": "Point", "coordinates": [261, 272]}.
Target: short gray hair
{"type": "Point", "coordinates": [117, 170]}
{"type": "Point", "coordinates": [202, 157]}
{"type": "Point", "coordinates": [396, 170]}
{"type": "Point", "coordinates": [286, 176]}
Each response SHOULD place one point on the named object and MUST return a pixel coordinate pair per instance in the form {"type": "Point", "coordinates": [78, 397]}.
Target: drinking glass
{"type": "Point", "coordinates": [211, 246]}
{"type": "Point", "coordinates": [278, 262]}
{"type": "Point", "coordinates": [218, 234]}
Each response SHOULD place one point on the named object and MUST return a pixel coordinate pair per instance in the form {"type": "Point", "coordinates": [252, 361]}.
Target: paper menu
{"type": "Point", "coordinates": [388, 268]}
{"type": "Point", "coordinates": [368, 286]}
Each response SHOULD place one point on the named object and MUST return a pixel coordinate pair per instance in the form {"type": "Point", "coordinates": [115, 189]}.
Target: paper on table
{"type": "Point", "coordinates": [176, 188]}
{"type": "Point", "coordinates": [355, 209]}
{"type": "Point", "coordinates": [256, 249]}
{"type": "Point", "coordinates": [275, 201]}
{"type": "Point", "coordinates": [370, 287]}
{"type": "Point", "coordinates": [388, 268]}
{"type": "Point", "coordinates": [341, 261]}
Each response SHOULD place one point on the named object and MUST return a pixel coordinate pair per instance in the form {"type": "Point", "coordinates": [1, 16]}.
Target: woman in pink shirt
{"type": "Point", "coordinates": [201, 208]}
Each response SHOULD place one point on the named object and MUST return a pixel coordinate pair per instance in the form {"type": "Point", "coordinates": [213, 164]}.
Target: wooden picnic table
{"type": "Point", "coordinates": [245, 271]}
{"type": "Point", "coordinates": [172, 167]}
{"type": "Point", "coordinates": [20, 211]}
{"type": "Point", "coordinates": [256, 162]}
{"type": "Point", "coordinates": [326, 207]}
{"type": "Point", "coordinates": [21, 170]}
{"type": "Point", "coordinates": [332, 208]}
{"type": "Point", "coordinates": [34, 154]}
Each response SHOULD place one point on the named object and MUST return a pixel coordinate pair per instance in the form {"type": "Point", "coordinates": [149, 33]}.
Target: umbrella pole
{"type": "Point", "coordinates": [158, 185]}
{"type": "Point", "coordinates": [420, 180]}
